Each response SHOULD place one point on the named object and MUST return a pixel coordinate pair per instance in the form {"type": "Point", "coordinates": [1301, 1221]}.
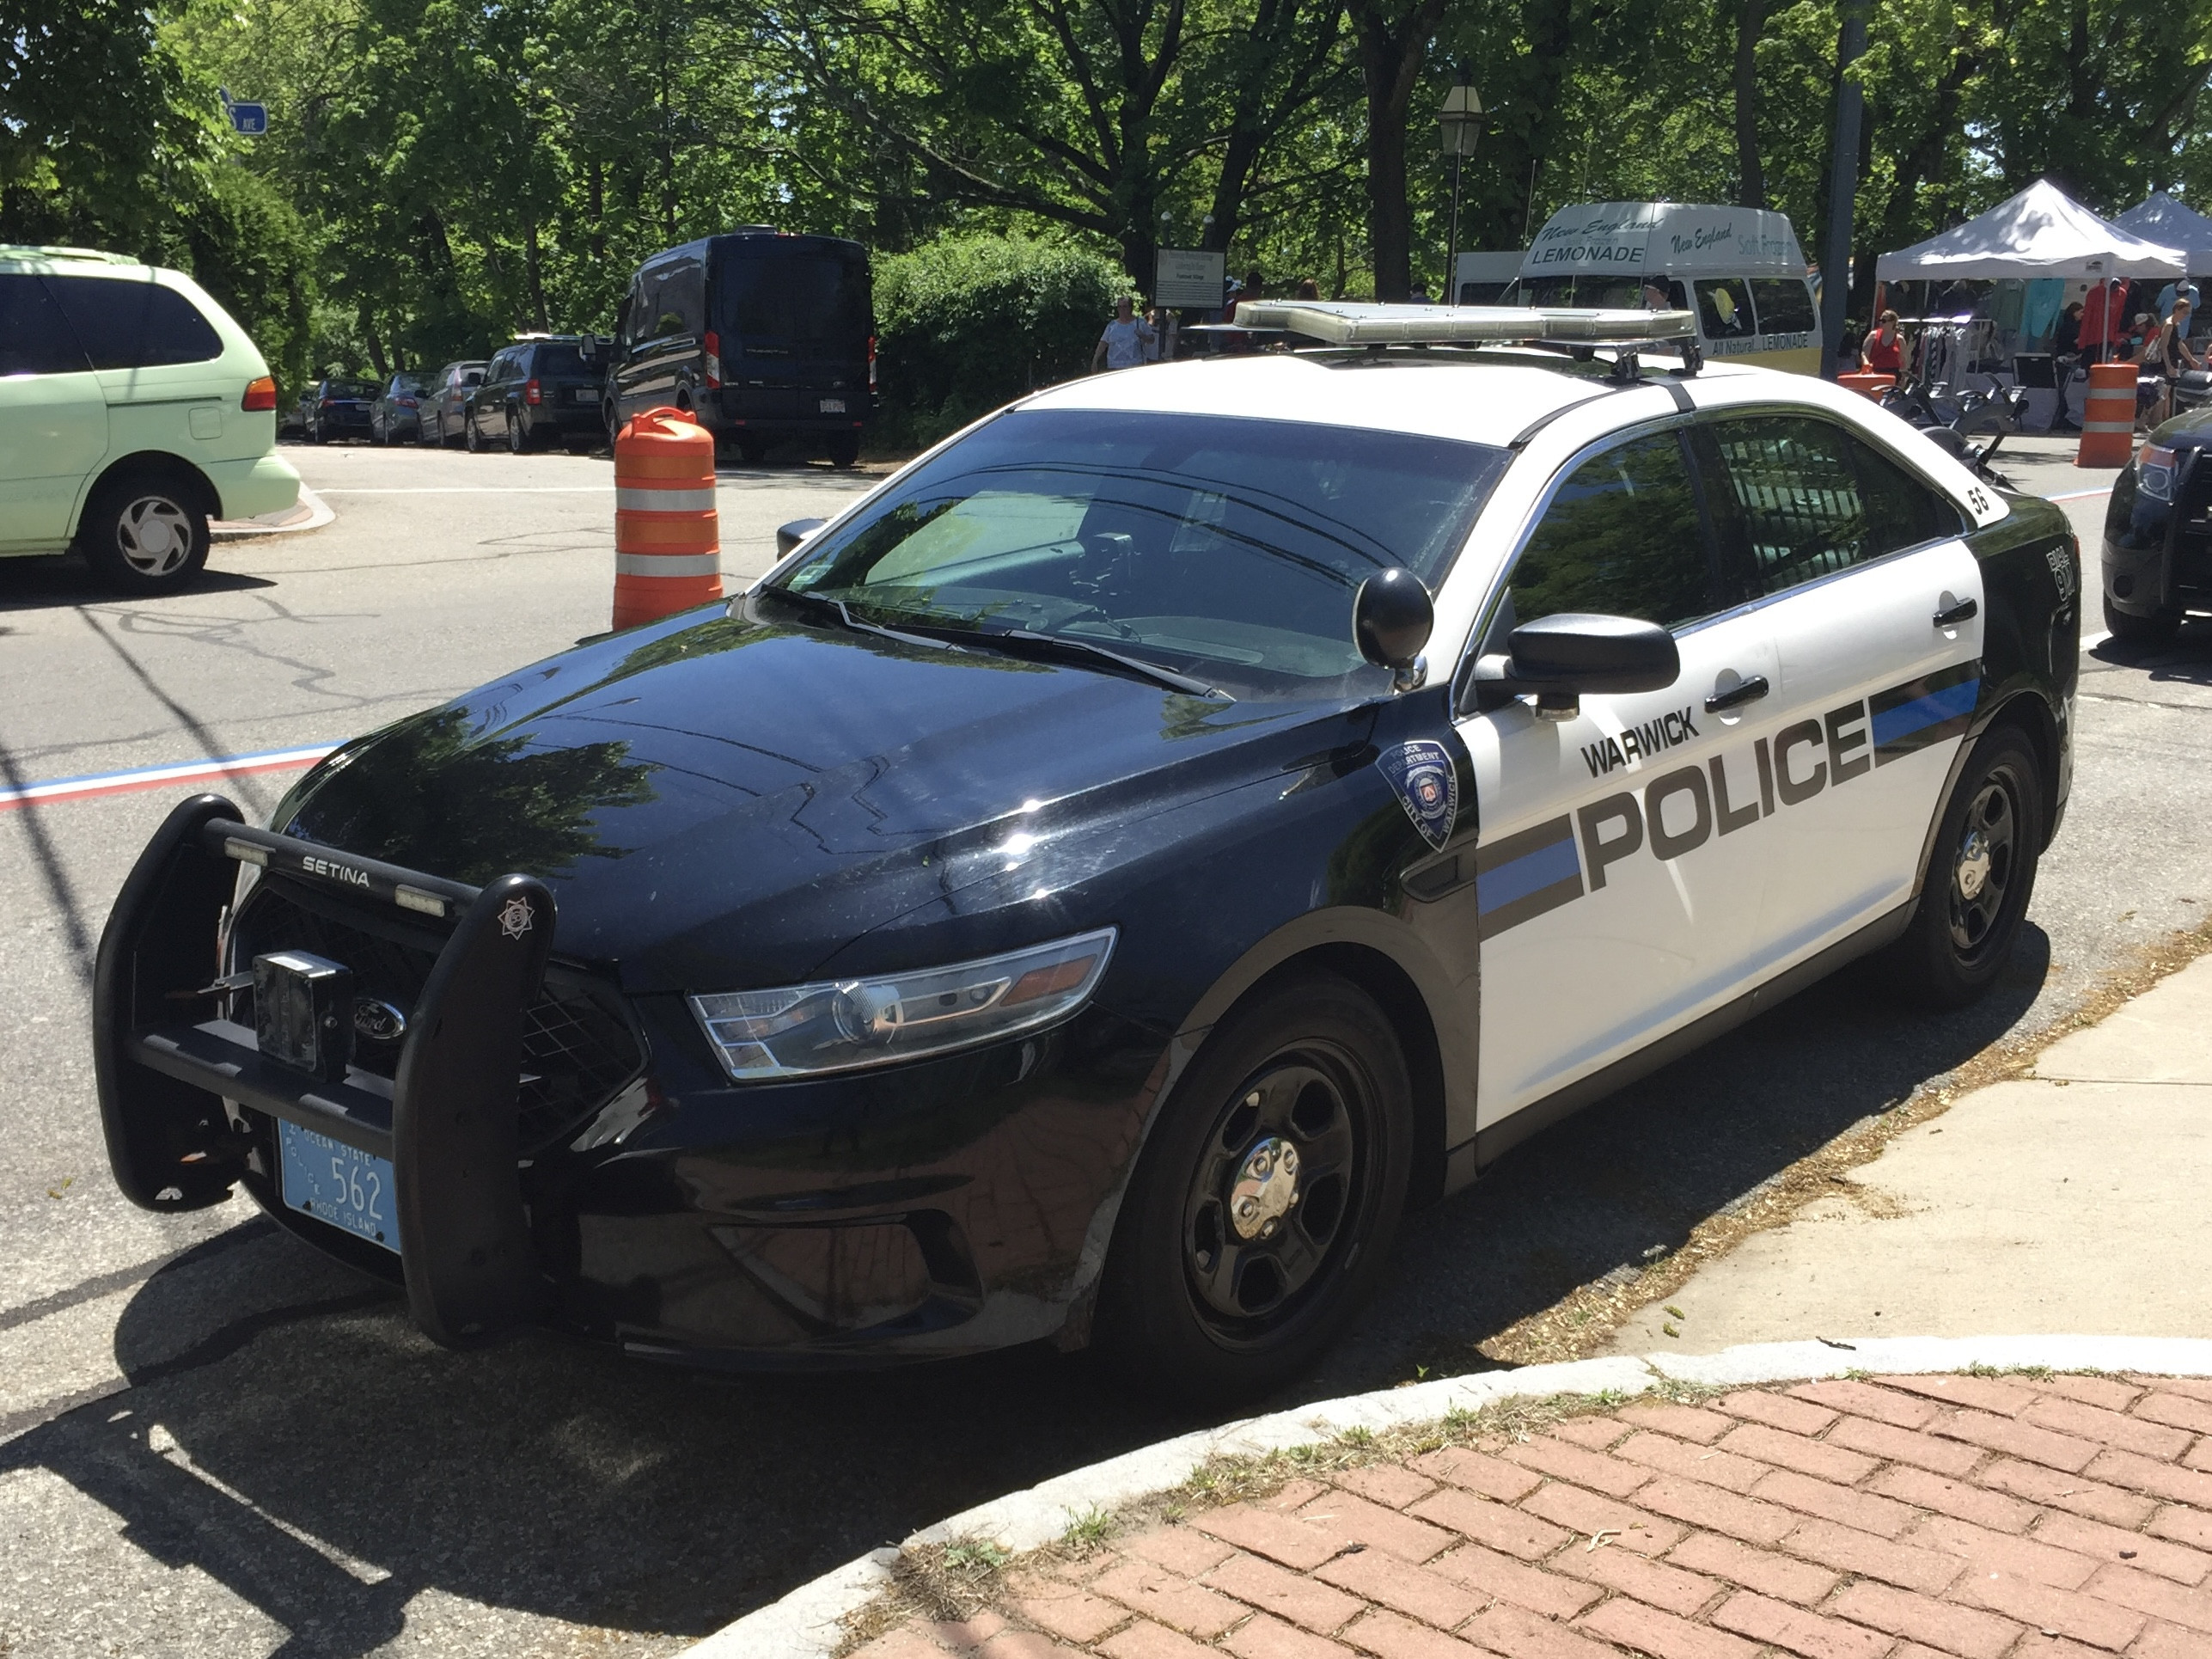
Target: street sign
{"type": "Point", "coordinates": [251, 121]}
{"type": "Point", "coordinates": [1188, 276]}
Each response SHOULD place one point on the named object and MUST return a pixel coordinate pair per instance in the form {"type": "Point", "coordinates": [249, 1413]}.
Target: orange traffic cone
{"type": "Point", "coordinates": [2108, 417]}
{"type": "Point", "coordinates": [668, 539]}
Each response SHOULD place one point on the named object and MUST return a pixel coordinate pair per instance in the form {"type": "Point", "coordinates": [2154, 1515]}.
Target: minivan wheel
{"type": "Point", "coordinates": [143, 535]}
{"type": "Point", "coordinates": [1266, 1199]}
{"type": "Point", "coordinates": [844, 448]}
{"type": "Point", "coordinates": [1979, 877]}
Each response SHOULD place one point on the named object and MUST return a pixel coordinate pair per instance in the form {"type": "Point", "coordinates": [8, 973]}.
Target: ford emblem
{"type": "Point", "coordinates": [380, 1022]}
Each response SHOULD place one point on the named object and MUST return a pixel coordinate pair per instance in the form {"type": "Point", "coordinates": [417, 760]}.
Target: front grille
{"type": "Point", "coordinates": [579, 1045]}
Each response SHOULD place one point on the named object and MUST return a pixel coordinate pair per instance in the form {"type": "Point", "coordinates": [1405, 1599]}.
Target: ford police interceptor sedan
{"type": "Point", "coordinates": [1091, 888]}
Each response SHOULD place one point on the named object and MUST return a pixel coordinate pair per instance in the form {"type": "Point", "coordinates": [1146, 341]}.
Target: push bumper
{"type": "Point", "coordinates": [166, 1069]}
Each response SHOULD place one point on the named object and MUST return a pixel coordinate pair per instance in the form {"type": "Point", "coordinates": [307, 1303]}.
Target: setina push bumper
{"type": "Point", "coordinates": [193, 1098]}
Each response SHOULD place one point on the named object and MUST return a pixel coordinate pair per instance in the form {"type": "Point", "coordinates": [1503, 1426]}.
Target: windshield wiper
{"type": "Point", "coordinates": [822, 601]}
{"type": "Point", "coordinates": [1152, 671]}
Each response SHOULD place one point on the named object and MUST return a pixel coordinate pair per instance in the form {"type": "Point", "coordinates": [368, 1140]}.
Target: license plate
{"type": "Point", "coordinates": [583, 395]}
{"type": "Point", "coordinates": [335, 1184]}
{"type": "Point", "coordinates": [833, 406]}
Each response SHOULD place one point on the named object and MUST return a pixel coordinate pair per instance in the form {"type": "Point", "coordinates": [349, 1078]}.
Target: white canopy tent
{"type": "Point", "coordinates": [2041, 232]}
{"type": "Point", "coordinates": [2162, 219]}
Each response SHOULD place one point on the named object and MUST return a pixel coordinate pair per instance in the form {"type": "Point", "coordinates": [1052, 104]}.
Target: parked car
{"type": "Point", "coordinates": [543, 390]}
{"type": "Point", "coordinates": [337, 408]}
{"type": "Point", "coordinates": [397, 413]}
{"type": "Point", "coordinates": [134, 409]}
{"type": "Point", "coordinates": [1088, 891]}
{"type": "Point", "coordinates": [445, 405]}
{"type": "Point", "coordinates": [762, 337]}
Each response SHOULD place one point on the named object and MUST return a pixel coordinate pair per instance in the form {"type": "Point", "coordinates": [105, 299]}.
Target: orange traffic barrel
{"type": "Point", "coordinates": [2108, 421]}
{"type": "Point", "coordinates": [668, 537]}
{"type": "Point", "coordinates": [1866, 383]}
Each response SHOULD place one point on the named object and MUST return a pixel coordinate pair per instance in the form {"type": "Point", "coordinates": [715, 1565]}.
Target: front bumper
{"type": "Point", "coordinates": [941, 1207]}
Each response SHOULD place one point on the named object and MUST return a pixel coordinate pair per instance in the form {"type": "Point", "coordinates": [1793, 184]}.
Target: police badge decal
{"type": "Point", "coordinates": [1427, 785]}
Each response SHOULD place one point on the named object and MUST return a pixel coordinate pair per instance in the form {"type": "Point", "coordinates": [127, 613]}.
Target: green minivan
{"type": "Point", "coordinates": [132, 411]}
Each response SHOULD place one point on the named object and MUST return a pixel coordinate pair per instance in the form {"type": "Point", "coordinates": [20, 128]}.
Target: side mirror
{"type": "Point", "coordinates": [1392, 617]}
{"type": "Point", "coordinates": [1559, 657]}
{"type": "Point", "coordinates": [789, 535]}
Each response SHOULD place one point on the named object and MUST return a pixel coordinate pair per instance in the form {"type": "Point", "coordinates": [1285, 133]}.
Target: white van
{"type": "Point", "coordinates": [1740, 269]}
{"type": "Point", "coordinates": [1482, 278]}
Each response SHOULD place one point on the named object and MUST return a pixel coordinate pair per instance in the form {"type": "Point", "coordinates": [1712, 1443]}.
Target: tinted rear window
{"type": "Point", "coordinates": [794, 297]}
{"type": "Point", "coordinates": [349, 388]}
{"type": "Point", "coordinates": [1784, 306]}
{"type": "Point", "coordinates": [134, 325]}
{"type": "Point", "coordinates": [35, 337]}
{"type": "Point", "coordinates": [559, 360]}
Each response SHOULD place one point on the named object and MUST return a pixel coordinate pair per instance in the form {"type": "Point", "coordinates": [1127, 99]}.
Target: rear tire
{"type": "Point", "coordinates": [472, 438]}
{"type": "Point", "coordinates": [143, 533]}
{"type": "Point", "coordinates": [844, 448]}
{"type": "Point", "coordinates": [2157, 629]}
{"type": "Point", "coordinates": [751, 449]}
{"type": "Point", "coordinates": [1213, 1291]}
{"type": "Point", "coordinates": [1979, 879]}
{"type": "Point", "coordinates": [517, 439]}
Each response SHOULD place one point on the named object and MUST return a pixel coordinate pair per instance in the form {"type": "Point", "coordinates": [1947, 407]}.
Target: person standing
{"type": "Point", "coordinates": [2066, 363]}
{"type": "Point", "coordinates": [1127, 341]}
{"type": "Point", "coordinates": [1308, 288]}
{"type": "Point", "coordinates": [2167, 354]}
{"type": "Point", "coordinates": [1882, 353]}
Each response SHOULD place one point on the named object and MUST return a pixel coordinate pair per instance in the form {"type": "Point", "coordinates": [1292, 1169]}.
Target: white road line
{"type": "Point", "coordinates": [478, 489]}
{"type": "Point", "coordinates": [152, 777]}
{"type": "Point", "coordinates": [2078, 495]}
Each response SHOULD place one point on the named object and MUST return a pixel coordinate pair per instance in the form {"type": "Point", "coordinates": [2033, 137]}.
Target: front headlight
{"type": "Point", "coordinates": [839, 1025]}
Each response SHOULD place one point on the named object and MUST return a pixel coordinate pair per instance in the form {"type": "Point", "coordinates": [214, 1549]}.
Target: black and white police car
{"type": "Point", "coordinates": [1091, 887]}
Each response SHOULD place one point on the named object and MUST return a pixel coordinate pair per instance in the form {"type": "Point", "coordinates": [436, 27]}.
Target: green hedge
{"type": "Point", "coordinates": [967, 322]}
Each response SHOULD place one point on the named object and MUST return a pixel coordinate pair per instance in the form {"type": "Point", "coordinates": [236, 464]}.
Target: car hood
{"type": "Point", "coordinates": [719, 799]}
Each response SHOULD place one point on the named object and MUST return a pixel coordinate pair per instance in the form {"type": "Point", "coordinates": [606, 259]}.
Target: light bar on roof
{"type": "Point", "coordinates": [1346, 324]}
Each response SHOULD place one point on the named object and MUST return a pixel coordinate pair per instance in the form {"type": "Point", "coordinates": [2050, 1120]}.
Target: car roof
{"type": "Point", "coordinates": [51, 258]}
{"type": "Point", "coordinates": [1485, 396]}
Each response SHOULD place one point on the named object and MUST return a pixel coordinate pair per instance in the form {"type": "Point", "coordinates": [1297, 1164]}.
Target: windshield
{"type": "Point", "coordinates": [1226, 548]}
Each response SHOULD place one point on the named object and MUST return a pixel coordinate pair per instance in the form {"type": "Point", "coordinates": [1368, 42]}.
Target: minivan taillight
{"type": "Point", "coordinates": [713, 360]}
{"type": "Point", "coordinates": [260, 395]}
{"type": "Point", "coordinates": [871, 363]}
{"type": "Point", "coordinates": [530, 393]}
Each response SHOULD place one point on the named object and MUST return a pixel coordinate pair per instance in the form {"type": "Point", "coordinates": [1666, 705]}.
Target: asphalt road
{"type": "Point", "coordinates": [214, 1441]}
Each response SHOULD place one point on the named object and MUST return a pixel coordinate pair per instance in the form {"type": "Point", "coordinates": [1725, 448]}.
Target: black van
{"type": "Point", "coordinates": [763, 336]}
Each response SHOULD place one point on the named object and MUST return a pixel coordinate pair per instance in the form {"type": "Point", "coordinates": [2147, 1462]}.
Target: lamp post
{"type": "Point", "coordinates": [1460, 123]}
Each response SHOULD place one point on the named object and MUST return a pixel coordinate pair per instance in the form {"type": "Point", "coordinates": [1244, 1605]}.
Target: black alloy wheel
{"type": "Point", "coordinates": [1979, 876]}
{"type": "Point", "coordinates": [1266, 1199]}
{"type": "Point", "coordinates": [2157, 629]}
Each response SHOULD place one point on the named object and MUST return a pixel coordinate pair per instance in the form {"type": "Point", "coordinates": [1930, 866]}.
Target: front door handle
{"type": "Point", "coordinates": [1965, 611]}
{"type": "Point", "coordinates": [1744, 691]}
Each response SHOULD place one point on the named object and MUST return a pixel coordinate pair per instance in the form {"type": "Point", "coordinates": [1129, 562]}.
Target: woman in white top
{"type": "Point", "coordinates": [1128, 340]}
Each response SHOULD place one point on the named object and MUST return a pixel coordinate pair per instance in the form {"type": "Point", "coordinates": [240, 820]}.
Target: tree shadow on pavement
{"type": "Point", "coordinates": [290, 1437]}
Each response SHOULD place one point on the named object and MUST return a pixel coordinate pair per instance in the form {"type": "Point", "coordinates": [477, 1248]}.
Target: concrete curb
{"type": "Point", "coordinates": [318, 513]}
{"type": "Point", "coordinates": [808, 1623]}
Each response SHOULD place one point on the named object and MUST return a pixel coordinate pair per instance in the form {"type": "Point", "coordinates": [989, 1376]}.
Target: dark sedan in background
{"type": "Point", "coordinates": [445, 405]}
{"type": "Point", "coordinates": [337, 408]}
{"type": "Point", "coordinates": [2158, 533]}
{"type": "Point", "coordinates": [396, 415]}
{"type": "Point", "coordinates": [541, 391]}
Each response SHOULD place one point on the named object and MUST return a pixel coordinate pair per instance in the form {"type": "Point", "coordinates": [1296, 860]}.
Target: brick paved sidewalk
{"type": "Point", "coordinates": [1916, 1517]}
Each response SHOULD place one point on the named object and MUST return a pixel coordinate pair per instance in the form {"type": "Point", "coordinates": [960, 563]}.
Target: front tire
{"type": "Point", "coordinates": [142, 534]}
{"type": "Point", "coordinates": [1979, 877]}
{"type": "Point", "coordinates": [1266, 1199]}
{"type": "Point", "coordinates": [2157, 629]}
